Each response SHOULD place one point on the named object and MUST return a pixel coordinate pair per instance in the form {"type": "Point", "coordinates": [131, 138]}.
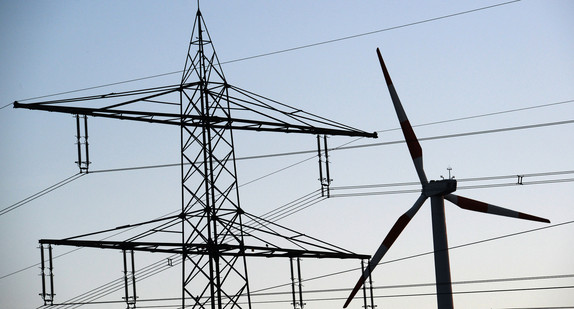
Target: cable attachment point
{"type": "Point", "coordinates": [82, 140]}
{"type": "Point", "coordinates": [324, 176]}
{"type": "Point", "coordinates": [519, 180]}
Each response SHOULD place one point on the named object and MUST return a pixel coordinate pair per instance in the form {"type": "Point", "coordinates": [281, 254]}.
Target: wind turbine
{"type": "Point", "coordinates": [437, 191]}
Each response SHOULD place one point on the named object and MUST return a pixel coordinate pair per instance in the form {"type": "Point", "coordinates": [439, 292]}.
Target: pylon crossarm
{"type": "Point", "coordinates": [202, 249]}
{"type": "Point", "coordinates": [257, 113]}
{"type": "Point", "coordinates": [276, 110]}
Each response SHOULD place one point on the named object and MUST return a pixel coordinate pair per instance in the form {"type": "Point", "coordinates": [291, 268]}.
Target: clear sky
{"type": "Point", "coordinates": [516, 57]}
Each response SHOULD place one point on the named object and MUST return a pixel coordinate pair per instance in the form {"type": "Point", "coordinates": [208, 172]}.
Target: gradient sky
{"type": "Point", "coordinates": [510, 57]}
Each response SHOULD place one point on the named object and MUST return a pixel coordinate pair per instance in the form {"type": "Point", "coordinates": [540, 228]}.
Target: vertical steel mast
{"type": "Point", "coordinates": [210, 199]}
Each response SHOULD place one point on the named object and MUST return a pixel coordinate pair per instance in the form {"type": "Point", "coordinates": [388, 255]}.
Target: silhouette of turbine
{"type": "Point", "coordinates": [437, 191]}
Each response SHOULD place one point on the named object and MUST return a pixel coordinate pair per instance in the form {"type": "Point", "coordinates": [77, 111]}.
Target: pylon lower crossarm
{"type": "Point", "coordinates": [203, 249]}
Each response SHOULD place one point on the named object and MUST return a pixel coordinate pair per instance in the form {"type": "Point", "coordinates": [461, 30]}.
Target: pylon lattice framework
{"type": "Point", "coordinates": [210, 233]}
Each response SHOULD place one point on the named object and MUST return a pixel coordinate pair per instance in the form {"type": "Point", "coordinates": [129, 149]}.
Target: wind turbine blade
{"type": "Point", "coordinates": [386, 244]}
{"type": "Point", "coordinates": [410, 137]}
{"type": "Point", "coordinates": [475, 205]}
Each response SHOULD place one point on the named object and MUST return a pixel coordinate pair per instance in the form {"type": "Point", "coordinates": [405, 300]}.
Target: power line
{"type": "Point", "coordinates": [319, 44]}
{"type": "Point", "coordinates": [484, 178]}
{"type": "Point", "coordinates": [40, 193]}
{"type": "Point", "coordinates": [346, 147]}
{"type": "Point", "coordinates": [284, 210]}
{"type": "Point", "coordinates": [276, 171]}
{"type": "Point", "coordinates": [303, 202]}
{"type": "Point", "coordinates": [430, 284]}
{"type": "Point", "coordinates": [486, 114]}
{"type": "Point", "coordinates": [386, 287]}
{"type": "Point", "coordinates": [14, 206]}
{"type": "Point", "coordinates": [432, 294]}
{"type": "Point", "coordinates": [424, 254]}
{"type": "Point", "coordinates": [299, 207]}
{"type": "Point", "coordinates": [288, 206]}
{"type": "Point", "coordinates": [3, 107]}
{"type": "Point", "coordinates": [118, 284]}
{"type": "Point", "coordinates": [108, 290]}
{"type": "Point", "coordinates": [275, 214]}
{"type": "Point", "coordinates": [74, 250]}
{"type": "Point", "coordinates": [37, 264]}
{"type": "Point", "coordinates": [296, 208]}
{"type": "Point", "coordinates": [285, 50]}
{"type": "Point", "coordinates": [531, 126]}
{"type": "Point", "coordinates": [484, 291]}
{"type": "Point", "coordinates": [160, 266]}
{"type": "Point", "coordinates": [522, 177]}
{"type": "Point", "coordinates": [282, 154]}
{"type": "Point", "coordinates": [372, 32]}
{"type": "Point", "coordinates": [342, 147]}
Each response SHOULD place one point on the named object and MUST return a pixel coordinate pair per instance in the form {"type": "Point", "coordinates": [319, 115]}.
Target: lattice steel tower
{"type": "Point", "coordinates": [211, 237]}
{"type": "Point", "coordinates": [210, 198]}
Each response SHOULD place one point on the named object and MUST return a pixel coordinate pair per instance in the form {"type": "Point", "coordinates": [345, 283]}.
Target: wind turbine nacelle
{"type": "Point", "coordinates": [439, 187]}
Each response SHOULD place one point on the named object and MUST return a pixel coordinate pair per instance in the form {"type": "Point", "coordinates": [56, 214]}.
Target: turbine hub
{"type": "Point", "coordinates": [439, 187]}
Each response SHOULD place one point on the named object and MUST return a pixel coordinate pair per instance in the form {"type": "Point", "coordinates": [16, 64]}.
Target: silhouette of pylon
{"type": "Point", "coordinates": [209, 233]}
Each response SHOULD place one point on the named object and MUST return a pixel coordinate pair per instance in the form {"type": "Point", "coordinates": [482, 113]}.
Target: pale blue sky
{"type": "Point", "coordinates": [514, 56]}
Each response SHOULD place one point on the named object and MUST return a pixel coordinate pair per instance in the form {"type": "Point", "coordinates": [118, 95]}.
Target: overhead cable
{"type": "Point", "coordinates": [531, 126]}
{"type": "Point", "coordinates": [403, 295]}
{"type": "Point", "coordinates": [40, 193]}
{"type": "Point", "coordinates": [284, 50]}
{"type": "Point", "coordinates": [522, 179]}
{"type": "Point", "coordinates": [431, 284]}
{"type": "Point", "coordinates": [343, 147]}
{"type": "Point", "coordinates": [112, 287]}
{"type": "Point", "coordinates": [303, 202]}
{"type": "Point", "coordinates": [431, 294]}
{"type": "Point", "coordinates": [424, 254]}
{"type": "Point", "coordinates": [291, 153]}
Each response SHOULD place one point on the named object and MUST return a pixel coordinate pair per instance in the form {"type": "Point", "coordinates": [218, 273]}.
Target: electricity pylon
{"type": "Point", "coordinates": [211, 235]}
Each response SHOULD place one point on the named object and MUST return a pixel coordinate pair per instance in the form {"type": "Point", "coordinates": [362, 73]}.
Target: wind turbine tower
{"type": "Point", "coordinates": [437, 191]}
